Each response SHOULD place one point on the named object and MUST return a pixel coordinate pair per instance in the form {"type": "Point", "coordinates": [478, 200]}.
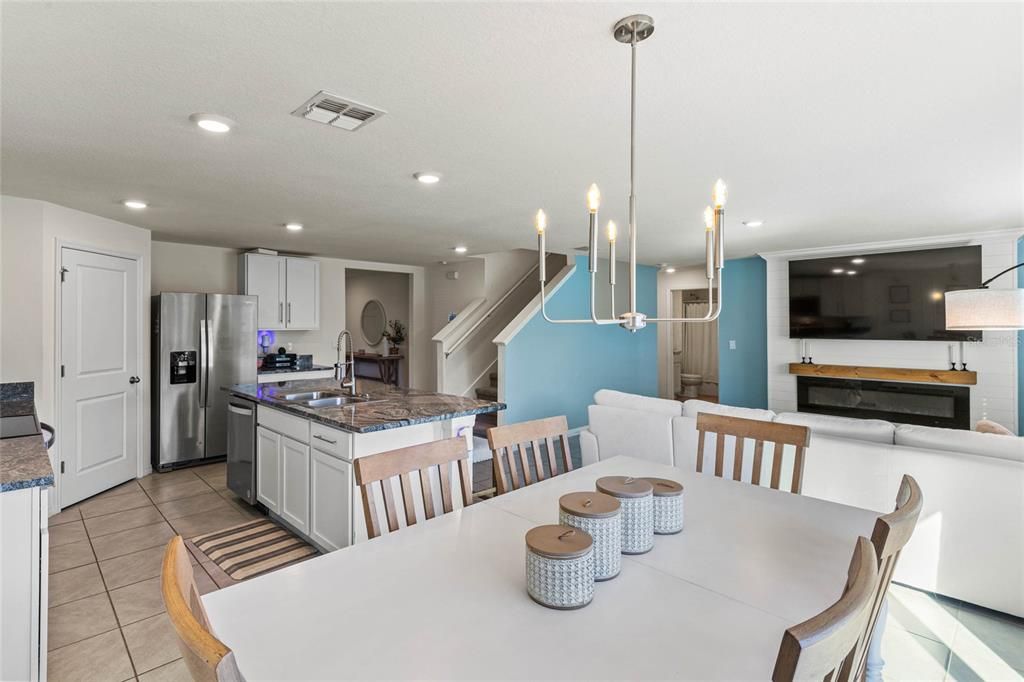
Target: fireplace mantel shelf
{"type": "Point", "coordinates": [929, 376]}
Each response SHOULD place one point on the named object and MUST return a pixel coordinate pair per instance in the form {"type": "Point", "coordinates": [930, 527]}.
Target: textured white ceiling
{"type": "Point", "coordinates": [831, 122]}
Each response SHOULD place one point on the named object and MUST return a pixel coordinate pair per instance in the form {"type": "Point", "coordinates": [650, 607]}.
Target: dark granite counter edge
{"type": "Point", "coordinates": [314, 368]}
{"type": "Point", "coordinates": [43, 482]}
{"type": "Point", "coordinates": [19, 398]}
{"type": "Point", "coordinates": [312, 415]}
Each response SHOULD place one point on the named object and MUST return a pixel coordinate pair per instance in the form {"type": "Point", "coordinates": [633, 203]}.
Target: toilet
{"type": "Point", "coordinates": [690, 384]}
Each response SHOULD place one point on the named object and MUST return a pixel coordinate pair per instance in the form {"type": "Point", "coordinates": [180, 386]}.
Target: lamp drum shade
{"type": "Point", "coordinates": [985, 309]}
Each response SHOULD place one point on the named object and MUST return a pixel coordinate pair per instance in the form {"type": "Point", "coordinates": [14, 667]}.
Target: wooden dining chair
{"type": "Point", "coordinates": [379, 470]}
{"type": "Point", "coordinates": [761, 432]}
{"type": "Point", "coordinates": [206, 657]}
{"type": "Point", "coordinates": [891, 534]}
{"type": "Point", "coordinates": [504, 442]}
{"type": "Point", "coordinates": [822, 647]}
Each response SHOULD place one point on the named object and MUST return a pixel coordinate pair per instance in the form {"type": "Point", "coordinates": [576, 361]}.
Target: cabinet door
{"type": "Point", "coordinates": [302, 307]}
{"type": "Point", "coordinates": [268, 469]}
{"type": "Point", "coordinates": [295, 484]}
{"type": "Point", "coordinates": [265, 278]}
{"type": "Point", "coordinates": [330, 487]}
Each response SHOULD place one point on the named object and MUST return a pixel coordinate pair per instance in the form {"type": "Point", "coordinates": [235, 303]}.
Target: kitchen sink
{"type": "Point", "coordinates": [311, 395]}
{"type": "Point", "coordinates": [337, 401]}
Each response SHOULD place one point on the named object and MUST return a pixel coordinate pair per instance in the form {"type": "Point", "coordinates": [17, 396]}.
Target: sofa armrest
{"type": "Point", "coordinates": [588, 448]}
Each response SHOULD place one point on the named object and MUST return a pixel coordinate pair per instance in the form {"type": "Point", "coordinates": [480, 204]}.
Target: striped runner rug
{"type": "Point", "coordinates": [253, 548]}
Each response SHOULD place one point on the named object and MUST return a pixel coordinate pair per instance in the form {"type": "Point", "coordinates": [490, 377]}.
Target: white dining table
{"type": "Point", "coordinates": [446, 598]}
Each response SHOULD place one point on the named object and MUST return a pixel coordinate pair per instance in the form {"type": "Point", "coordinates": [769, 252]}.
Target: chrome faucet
{"type": "Point", "coordinates": [345, 371]}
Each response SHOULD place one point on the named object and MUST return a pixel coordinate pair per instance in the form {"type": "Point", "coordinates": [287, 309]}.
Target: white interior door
{"type": "Point", "coordinates": [99, 406]}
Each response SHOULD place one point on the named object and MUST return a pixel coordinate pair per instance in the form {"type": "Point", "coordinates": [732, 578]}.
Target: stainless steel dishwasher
{"type": "Point", "coordinates": [242, 449]}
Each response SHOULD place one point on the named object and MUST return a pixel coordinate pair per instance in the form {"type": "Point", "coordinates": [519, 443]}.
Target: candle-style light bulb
{"type": "Point", "coordinates": [540, 221]}
{"type": "Point", "coordinates": [720, 194]}
{"type": "Point", "coordinates": [709, 218]}
{"type": "Point", "coordinates": [593, 198]}
{"type": "Point", "coordinates": [613, 231]}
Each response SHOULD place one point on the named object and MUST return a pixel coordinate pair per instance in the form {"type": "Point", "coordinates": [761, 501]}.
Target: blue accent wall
{"type": "Point", "coordinates": [743, 372]}
{"type": "Point", "coordinates": [555, 369]}
{"type": "Point", "coordinates": [1020, 348]}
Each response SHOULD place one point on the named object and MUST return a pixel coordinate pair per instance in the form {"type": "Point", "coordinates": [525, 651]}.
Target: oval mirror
{"type": "Point", "coordinates": [373, 321]}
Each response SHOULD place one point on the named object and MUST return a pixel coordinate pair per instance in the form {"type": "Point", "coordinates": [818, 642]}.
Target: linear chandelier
{"type": "Point", "coordinates": [633, 30]}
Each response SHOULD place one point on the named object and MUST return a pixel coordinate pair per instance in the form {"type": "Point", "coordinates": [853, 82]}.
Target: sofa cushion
{"type": "Point", "coordinates": [966, 442]}
{"type": "Point", "coordinates": [635, 433]}
{"type": "Point", "coordinates": [631, 401]}
{"type": "Point", "coordinates": [873, 430]}
{"type": "Point", "coordinates": [691, 408]}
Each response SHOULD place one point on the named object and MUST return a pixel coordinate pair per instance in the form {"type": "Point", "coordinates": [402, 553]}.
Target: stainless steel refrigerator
{"type": "Point", "coordinates": [201, 342]}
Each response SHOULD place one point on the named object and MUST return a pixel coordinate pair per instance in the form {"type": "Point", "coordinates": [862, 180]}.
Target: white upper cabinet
{"type": "Point", "coordinates": [302, 302]}
{"type": "Point", "coordinates": [288, 290]}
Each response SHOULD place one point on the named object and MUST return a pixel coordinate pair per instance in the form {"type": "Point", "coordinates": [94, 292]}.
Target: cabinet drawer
{"type": "Point", "coordinates": [332, 441]}
{"type": "Point", "coordinates": [286, 424]}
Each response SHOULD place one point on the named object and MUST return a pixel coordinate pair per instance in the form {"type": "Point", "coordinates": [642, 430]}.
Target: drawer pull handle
{"type": "Point", "coordinates": [326, 440]}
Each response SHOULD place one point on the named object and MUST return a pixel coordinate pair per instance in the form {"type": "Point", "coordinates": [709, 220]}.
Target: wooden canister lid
{"type": "Point", "coordinates": [624, 486]}
{"type": "Point", "coordinates": [558, 542]}
{"type": "Point", "coordinates": [589, 505]}
{"type": "Point", "coordinates": [665, 487]}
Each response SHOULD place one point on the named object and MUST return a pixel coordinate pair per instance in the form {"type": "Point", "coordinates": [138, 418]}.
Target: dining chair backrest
{"type": "Point", "coordinates": [378, 471]}
{"type": "Point", "coordinates": [505, 441]}
{"type": "Point", "coordinates": [891, 534]}
{"type": "Point", "coordinates": [821, 647]}
{"type": "Point", "coordinates": [206, 657]}
{"type": "Point", "coordinates": [761, 432]}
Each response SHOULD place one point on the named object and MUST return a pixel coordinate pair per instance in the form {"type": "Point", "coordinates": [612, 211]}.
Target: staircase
{"type": "Point", "coordinates": [486, 421]}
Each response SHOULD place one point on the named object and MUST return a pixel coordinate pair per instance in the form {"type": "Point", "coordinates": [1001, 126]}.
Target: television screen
{"type": "Point", "coordinates": [894, 296]}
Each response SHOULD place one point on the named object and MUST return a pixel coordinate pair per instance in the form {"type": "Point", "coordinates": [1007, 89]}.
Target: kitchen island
{"type": "Point", "coordinates": [308, 433]}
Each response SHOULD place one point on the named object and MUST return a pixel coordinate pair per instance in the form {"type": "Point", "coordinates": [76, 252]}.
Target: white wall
{"type": "Point", "coordinates": [682, 278]}
{"type": "Point", "coordinates": [452, 295]}
{"type": "Point", "coordinates": [995, 359]}
{"type": "Point", "coordinates": [392, 289]}
{"type": "Point", "coordinates": [187, 268]}
{"type": "Point", "coordinates": [30, 234]}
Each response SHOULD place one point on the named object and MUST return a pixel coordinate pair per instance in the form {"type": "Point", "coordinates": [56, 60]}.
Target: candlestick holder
{"type": "Point", "coordinates": [963, 366]}
{"type": "Point", "coordinates": [952, 367]}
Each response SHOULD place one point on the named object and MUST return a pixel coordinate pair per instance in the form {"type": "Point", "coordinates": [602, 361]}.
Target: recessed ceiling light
{"type": "Point", "coordinates": [212, 123]}
{"type": "Point", "coordinates": [294, 227]}
{"type": "Point", "coordinates": [837, 271]}
{"type": "Point", "coordinates": [428, 177]}
{"type": "Point", "coordinates": [670, 269]}
{"type": "Point", "coordinates": [856, 261]}
{"type": "Point", "coordinates": [136, 204]}
{"type": "Point", "coordinates": [753, 223]}
{"type": "Point", "coordinates": [460, 249]}
{"type": "Point", "coordinates": [851, 272]}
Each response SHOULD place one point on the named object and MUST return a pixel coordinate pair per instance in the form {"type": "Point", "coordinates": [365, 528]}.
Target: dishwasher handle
{"type": "Point", "coordinates": [238, 409]}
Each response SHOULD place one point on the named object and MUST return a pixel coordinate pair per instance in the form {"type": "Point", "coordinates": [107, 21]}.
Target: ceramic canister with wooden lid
{"type": "Point", "coordinates": [637, 499]}
{"type": "Point", "coordinates": [600, 516]}
{"type": "Point", "coordinates": [560, 566]}
{"type": "Point", "coordinates": [668, 506]}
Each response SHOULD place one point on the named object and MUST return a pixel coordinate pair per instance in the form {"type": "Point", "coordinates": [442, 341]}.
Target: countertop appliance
{"type": "Point", "coordinates": [201, 342]}
{"type": "Point", "coordinates": [242, 448]}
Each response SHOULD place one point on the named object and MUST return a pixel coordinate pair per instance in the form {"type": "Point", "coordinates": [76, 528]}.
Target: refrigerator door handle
{"type": "Point", "coordinates": [203, 359]}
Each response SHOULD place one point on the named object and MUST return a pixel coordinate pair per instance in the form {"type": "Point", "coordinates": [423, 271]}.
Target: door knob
{"type": "Point", "coordinates": [134, 380]}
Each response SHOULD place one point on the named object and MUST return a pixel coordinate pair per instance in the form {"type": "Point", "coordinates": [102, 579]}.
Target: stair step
{"type": "Point", "coordinates": [494, 379]}
{"type": "Point", "coordinates": [487, 393]}
{"type": "Point", "coordinates": [484, 422]}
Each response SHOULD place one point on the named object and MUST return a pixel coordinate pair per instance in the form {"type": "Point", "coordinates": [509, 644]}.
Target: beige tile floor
{"type": "Point", "coordinates": [107, 620]}
{"type": "Point", "coordinates": [106, 615]}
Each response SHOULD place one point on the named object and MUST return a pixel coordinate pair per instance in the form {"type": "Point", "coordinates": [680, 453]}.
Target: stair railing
{"type": "Point", "coordinates": [487, 315]}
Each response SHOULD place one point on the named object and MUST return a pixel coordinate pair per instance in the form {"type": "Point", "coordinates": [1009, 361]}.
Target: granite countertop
{"type": "Point", "coordinates": [24, 462]}
{"type": "Point", "coordinates": [285, 370]}
{"type": "Point", "coordinates": [388, 407]}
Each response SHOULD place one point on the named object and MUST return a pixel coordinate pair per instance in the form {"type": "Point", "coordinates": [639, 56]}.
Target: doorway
{"type": "Point", "coordinates": [694, 348]}
{"type": "Point", "coordinates": [376, 307]}
{"type": "Point", "coordinates": [99, 375]}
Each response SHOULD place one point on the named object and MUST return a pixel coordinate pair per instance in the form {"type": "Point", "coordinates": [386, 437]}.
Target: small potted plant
{"type": "Point", "coordinates": [395, 334]}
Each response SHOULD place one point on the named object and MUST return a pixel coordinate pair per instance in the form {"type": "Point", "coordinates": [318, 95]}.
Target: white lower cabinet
{"type": "Point", "coordinates": [24, 564]}
{"type": "Point", "coordinates": [295, 484]}
{"type": "Point", "coordinates": [330, 523]}
{"type": "Point", "coordinates": [268, 468]}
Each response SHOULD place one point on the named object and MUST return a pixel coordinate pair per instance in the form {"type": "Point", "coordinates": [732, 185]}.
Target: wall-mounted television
{"type": "Point", "coordinates": [892, 296]}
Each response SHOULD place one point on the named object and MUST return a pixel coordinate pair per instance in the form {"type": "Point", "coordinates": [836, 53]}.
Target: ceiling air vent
{"type": "Point", "coordinates": [336, 111]}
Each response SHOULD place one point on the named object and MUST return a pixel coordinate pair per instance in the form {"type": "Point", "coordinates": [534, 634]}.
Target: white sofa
{"type": "Point", "coordinates": [969, 542]}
